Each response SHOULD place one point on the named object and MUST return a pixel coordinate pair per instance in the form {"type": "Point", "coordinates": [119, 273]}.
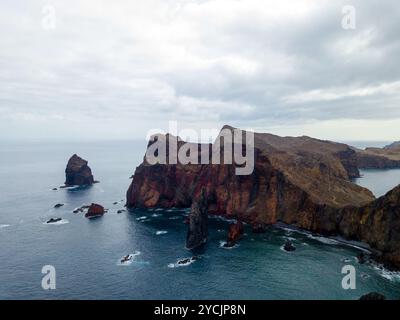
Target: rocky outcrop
{"type": "Point", "coordinates": [198, 218]}
{"type": "Point", "coordinates": [77, 172]}
{"type": "Point", "coordinates": [300, 181]}
{"type": "Point", "coordinates": [288, 246]}
{"type": "Point", "coordinates": [235, 232]}
{"type": "Point", "coordinates": [373, 296]}
{"type": "Point", "coordinates": [290, 176]}
{"type": "Point", "coordinates": [394, 145]}
{"type": "Point", "coordinates": [95, 210]}
{"type": "Point", "coordinates": [370, 160]}
{"type": "Point", "coordinates": [377, 224]}
{"type": "Point", "coordinates": [387, 157]}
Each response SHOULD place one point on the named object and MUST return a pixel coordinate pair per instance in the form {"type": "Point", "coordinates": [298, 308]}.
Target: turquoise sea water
{"type": "Point", "coordinates": [86, 253]}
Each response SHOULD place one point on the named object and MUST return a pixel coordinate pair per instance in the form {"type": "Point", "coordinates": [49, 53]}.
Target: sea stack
{"type": "Point", "coordinates": [78, 173]}
{"type": "Point", "coordinates": [236, 231]}
{"type": "Point", "coordinates": [198, 217]}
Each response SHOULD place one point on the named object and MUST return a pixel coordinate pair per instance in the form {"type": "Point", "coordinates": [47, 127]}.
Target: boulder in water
{"type": "Point", "coordinates": [288, 246]}
{"type": "Point", "coordinates": [53, 220]}
{"type": "Point", "coordinates": [95, 210]}
{"type": "Point", "coordinates": [373, 296]}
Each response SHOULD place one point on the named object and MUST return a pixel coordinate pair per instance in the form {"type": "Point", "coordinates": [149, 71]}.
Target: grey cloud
{"type": "Point", "coordinates": [249, 63]}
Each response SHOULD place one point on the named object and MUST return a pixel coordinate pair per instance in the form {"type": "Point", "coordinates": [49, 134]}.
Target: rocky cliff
{"type": "Point", "coordinates": [296, 180]}
{"type": "Point", "coordinates": [379, 158]}
{"type": "Point", "coordinates": [78, 172]}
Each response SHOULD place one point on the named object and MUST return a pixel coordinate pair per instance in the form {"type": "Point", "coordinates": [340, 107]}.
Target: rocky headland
{"type": "Point", "coordinates": [387, 157]}
{"type": "Point", "coordinates": [300, 181]}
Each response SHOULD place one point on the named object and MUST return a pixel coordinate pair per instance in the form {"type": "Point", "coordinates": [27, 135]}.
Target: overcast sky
{"type": "Point", "coordinates": [115, 69]}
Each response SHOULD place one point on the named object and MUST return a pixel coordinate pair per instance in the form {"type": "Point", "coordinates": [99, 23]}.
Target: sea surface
{"type": "Point", "coordinates": [86, 253]}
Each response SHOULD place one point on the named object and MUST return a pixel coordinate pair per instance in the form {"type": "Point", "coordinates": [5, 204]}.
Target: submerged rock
{"type": "Point", "coordinates": [95, 210]}
{"type": "Point", "coordinates": [373, 296]}
{"type": "Point", "coordinates": [235, 232]}
{"type": "Point", "coordinates": [361, 258]}
{"type": "Point", "coordinates": [78, 173]}
{"type": "Point", "coordinates": [198, 219]}
{"type": "Point", "coordinates": [58, 205]}
{"type": "Point", "coordinates": [258, 228]}
{"type": "Point", "coordinates": [53, 220]}
{"type": "Point", "coordinates": [288, 246]}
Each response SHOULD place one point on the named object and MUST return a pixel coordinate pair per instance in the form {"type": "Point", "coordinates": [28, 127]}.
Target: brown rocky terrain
{"type": "Point", "coordinates": [77, 172]}
{"type": "Point", "coordinates": [387, 157]}
{"type": "Point", "coordinates": [296, 180]}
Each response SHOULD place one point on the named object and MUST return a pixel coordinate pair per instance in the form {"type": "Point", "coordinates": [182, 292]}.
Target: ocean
{"type": "Point", "coordinates": [86, 253]}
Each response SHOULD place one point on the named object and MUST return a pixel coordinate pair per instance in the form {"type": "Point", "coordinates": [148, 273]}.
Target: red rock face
{"type": "Point", "coordinates": [95, 210]}
{"type": "Point", "coordinates": [236, 231]}
{"type": "Point", "coordinates": [300, 181]}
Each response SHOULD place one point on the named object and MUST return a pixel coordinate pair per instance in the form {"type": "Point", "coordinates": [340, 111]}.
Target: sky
{"type": "Point", "coordinates": [105, 70]}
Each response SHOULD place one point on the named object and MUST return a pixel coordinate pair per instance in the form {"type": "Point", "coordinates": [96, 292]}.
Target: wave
{"type": "Point", "coordinates": [393, 276]}
{"type": "Point", "coordinates": [222, 244]}
{"type": "Point", "coordinates": [58, 223]}
{"type": "Point", "coordinates": [131, 257]}
{"type": "Point", "coordinates": [160, 232]}
{"type": "Point", "coordinates": [174, 218]}
{"type": "Point", "coordinates": [324, 240]}
{"type": "Point", "coordinates": [4, 226]}
{"type": "Point", "coordinates": [183, 262]}
{"type": "Point", "coordinates": [142, 218]}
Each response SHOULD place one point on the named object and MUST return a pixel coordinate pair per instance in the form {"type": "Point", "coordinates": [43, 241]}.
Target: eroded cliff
{"type": "Point", "coordinates": [300, 181]}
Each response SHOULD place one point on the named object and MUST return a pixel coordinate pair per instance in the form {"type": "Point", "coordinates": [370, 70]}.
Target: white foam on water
{"type": "Point", "coordinates": [141, 218]}
{"type": "Point", "coordinates": [155, 215]}
{"type": "Point", "coordinates": [189, 261]}
{"type": "Point", "coordinates": [131, 258]}
{"type": "Point", "coordinates": [221, 218]}
{"type": "Point", "coordinates": [289, 238]}
{"type": "Point", "coordinates": [222, 244]}
{"type": "Point", "coordinates": [4, 226]}
{"type": "Point", "coordinates": [323, 239]}
{"type": "Point", "coordinates": [160, 232]}
{"type": "Point", "coordinates": [387, 274]}
{"type": "Point", "coordinates": [283, 249]}
{"type": "Point", "coordinates": [174, 218]}
{"type": "Point", "coordinates": [159, 209]}
{"type": "Point", "coordinates": [58, 223]}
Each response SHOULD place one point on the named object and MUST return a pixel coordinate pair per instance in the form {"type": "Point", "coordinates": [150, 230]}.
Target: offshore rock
{"type": "Point", "coordinates": [77, 172]}
{"type": "Point", "coordinates": [235, 232]}
{"type": "Point", "coordinates": [198, 219]}
{"type": "Point", "coordinates": [95, 210]}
